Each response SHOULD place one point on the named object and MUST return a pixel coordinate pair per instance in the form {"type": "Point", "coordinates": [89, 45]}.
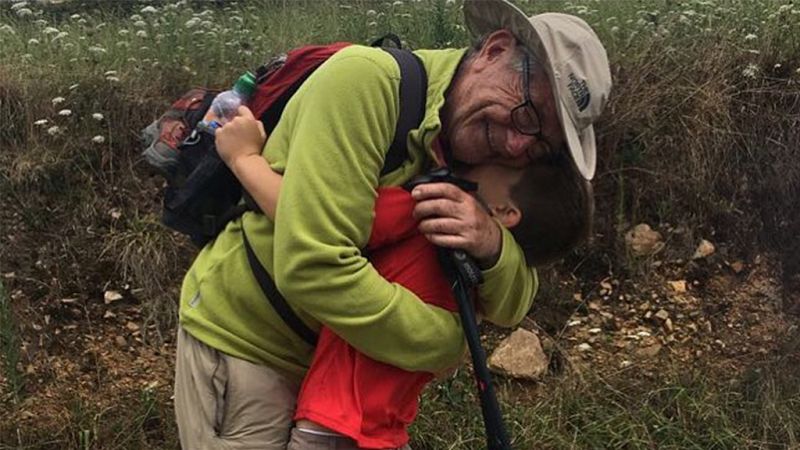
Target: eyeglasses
{"type": "Point", "coordinates": [525, 118]}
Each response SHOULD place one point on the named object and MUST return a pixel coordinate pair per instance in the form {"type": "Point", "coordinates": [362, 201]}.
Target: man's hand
{"type": "Point", "coordinates": [240, 138]}
{"type": "Point", "coordinates": [450, 217]}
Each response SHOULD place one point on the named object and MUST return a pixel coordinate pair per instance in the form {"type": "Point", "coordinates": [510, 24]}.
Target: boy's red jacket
{"type": "Point", "coordinates": [357, 396]}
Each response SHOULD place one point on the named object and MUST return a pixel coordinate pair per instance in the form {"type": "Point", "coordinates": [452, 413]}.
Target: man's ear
{"type": "Point", "coordinates": [497, 44]}
{"type": "Point", "coordinates": [508, 214]}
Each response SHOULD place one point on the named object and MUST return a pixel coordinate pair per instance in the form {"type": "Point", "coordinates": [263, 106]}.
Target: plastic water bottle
{"type": "Point", "coordinates": [226, 104]}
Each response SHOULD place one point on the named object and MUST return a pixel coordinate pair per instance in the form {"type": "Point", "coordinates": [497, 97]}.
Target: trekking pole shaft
{"type": "Point", "coordinates": [496, 435]}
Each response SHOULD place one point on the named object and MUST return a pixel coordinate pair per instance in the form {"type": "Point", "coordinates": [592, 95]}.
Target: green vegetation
{"type": "Point", "coordinates": [701, 135]}
{"type": "Point", "coordinates": [9, 347]}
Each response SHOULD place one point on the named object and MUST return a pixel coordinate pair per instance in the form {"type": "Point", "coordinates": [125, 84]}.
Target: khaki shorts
{"type": "Point", "coordinates": [222, 402]}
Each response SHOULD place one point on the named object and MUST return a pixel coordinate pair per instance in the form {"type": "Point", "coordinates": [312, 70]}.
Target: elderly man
{"type": "Point", "coordinates": [528, 87]}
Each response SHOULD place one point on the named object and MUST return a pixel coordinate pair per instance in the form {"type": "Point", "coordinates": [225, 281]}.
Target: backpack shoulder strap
{"type": "Point", "coordinates": [277, 300]}
{"type": "Point", "coordinates": [413, 94]}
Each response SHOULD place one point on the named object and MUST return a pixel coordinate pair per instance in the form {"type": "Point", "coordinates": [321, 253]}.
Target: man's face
{"type": "Point", "coordinates": [481, 129]}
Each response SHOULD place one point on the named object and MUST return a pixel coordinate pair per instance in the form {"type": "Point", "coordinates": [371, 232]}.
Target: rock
{"type": "Point", "coordinates": [584, 347]}
{"type": "Point", "coordinates": [649, 351]}
{"type": "Point", "coordinates": [704, 250]}
{"type": "Point", "coordinates": [737, 266]}
{"type": "Point", "coordinates": [668, 325]}
{"type": "Point", "coordinates": [111, 297]}
{"type": "Point", "coordinates": [679, 287]}
{"type": "Point", "coordinates": [121, 341]}
{"type": "Point", "coordinates": [131, 326]}
{"type": "Point", "coordinates": [662, 314]}
{"type": "Point", "coordinates": [643, 241]}
{"type": "Point", "coordinates": [520, 355]}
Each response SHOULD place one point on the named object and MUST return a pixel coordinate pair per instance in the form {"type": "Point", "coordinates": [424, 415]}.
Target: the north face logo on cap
{"type": "Point", "coordinates": [580, 92]}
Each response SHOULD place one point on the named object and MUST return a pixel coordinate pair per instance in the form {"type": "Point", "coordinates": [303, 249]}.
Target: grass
{"type": "Point", "coordinates": [9, 349]}
{"type": "Point", "coordinates": [680, 409]}
{"type": "Point", "coordinates": [701, 134]}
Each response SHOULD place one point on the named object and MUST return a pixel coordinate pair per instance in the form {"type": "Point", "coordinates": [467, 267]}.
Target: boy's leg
{"type": "Point", "coordinates": [225, 402]}
{"type": "Point", "coordinates": [309, 438]}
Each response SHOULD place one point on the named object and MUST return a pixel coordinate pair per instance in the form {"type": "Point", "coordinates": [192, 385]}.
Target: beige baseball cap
{"type": "Point", "coordinates": [573, 58]}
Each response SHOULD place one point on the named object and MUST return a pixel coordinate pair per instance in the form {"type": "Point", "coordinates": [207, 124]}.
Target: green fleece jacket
{"type": "Point", "coordinates": [330, 146]}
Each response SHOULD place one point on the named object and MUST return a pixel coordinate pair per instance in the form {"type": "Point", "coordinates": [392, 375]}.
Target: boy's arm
{"type": "Point", "coordinates": [239, 144]}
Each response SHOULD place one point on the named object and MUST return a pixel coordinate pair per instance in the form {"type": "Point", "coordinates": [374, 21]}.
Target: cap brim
{"type": "Point", "coordinates": [486, 16]}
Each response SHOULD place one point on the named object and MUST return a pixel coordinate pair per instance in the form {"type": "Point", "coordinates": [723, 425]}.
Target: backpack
{"type": "Point", "coordinates": [202, 195]}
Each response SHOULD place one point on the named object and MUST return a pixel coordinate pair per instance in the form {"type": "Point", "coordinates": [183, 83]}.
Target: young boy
{"type": "Point", "coordinates": [350, 401]}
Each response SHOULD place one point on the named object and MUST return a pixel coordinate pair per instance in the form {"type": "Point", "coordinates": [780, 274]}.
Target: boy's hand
{"type": "Point", "coordinates": [240, 138]}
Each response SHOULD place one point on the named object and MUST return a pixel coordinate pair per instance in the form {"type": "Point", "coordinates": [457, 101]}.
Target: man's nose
{"type": "Point", "coordinates": [517, 143]}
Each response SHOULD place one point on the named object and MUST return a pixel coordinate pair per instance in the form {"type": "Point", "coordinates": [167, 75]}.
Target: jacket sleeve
{"type": "Point", "coordinates": [509, 286]}
{"type": "Point", "coordinates": [341, 127]}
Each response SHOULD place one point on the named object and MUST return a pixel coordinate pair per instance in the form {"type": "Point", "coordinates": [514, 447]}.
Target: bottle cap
{"type": "Point", "coordinates": [246, 84]}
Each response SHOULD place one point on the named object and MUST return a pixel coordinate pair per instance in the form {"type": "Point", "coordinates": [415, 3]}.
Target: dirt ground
{"type": "Point", "coordinates": [86, 351]}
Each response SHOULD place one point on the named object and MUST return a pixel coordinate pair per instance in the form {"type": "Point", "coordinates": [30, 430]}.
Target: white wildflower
{"type": "Point", "coordinates": [97, 49]}
{"type": "Point", "coordinates": [751, 71]}
{"type": "Point", "coordinates": [97, 116]}
{"type": "Point", "coordinates": [345, 7]}
{"type": "Point", "coordinates": [40, 122]}
{"type": "Point", "coordinates": [73, 87]}
{"type": "Point", "coordinates": [50, 30]}
{"type": "Point", "coordinates": [237, 19]}
{"type": "Point", "coordinates": [191, 23]}
{"type": "Point", "coordinates": [100, 25]}
{"type": "Point", "coordinates": [58, 100]}
{"type": "Point", "coordinates": [140, 24]}
{"type": "Point", "coordinates": [371, 13]}
{"type": "Point", "coordinates": [40, 22]}
{"type": "Point", "coordinates": [60, 36]}
{"type": "Point", "coordinates": [123, 32]}
{"type": "Point", "coordinates": [82, 21]}
{"type": "Point", "coordinates": [797, 71]}
{"type": "Point", "coordinates": [33, 41]}
{"type": "Point", "coordinates": [75, 16]}
{"type": "Point", "coordinates": [123, 44]}
{"type": "Point", "coordinates": [65, 112]}
{"type": "Point", "coordinates": [750, 37]}
{"type": "Point", "coordinates": [396, 4]}
{"type": "Point", "coordinates": [148, 10]}
{"type": "Point", "coordinates": [19, 5]}
{"type": "Point", "coordinates": [8, 29]}
{"type": "Point", "coordinates": [136, 17]}
{"type": "Point", "coordinates": [783, 8]}
{"type": "Point", "coordinates": [615, 29]}
{"type": "Point", "coordinates": [141, 34]}
{"type": "Point", "coordinates": [109, 73]}
{"type": "Point", "coordinates": [372, 24]}
{"type": "Point", "coordinates": [777, 66]}
{"type": "Point", "coordinates": [54, 130]}
{"type": "Point", "coordinates": [24, 12]}
{"type": "Point", "coordinates": [98, 139]}
{"type": "Point", "coordinates": [112, 79]}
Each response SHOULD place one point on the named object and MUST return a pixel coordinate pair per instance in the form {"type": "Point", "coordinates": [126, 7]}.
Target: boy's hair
{"type": "Point", "coordinates": [557, 205]}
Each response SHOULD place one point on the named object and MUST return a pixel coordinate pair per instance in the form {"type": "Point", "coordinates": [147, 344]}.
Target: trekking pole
{"type": "Point", "coordinates": [465, 274]}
